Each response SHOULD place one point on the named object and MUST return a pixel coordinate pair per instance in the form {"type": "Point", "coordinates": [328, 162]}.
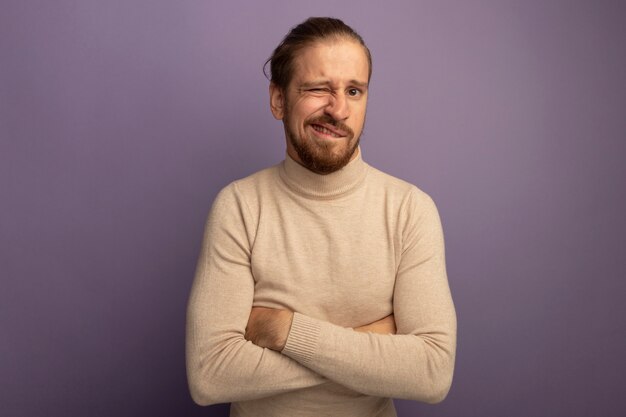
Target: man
{"type": "Point", "coordinates": [321, 287]}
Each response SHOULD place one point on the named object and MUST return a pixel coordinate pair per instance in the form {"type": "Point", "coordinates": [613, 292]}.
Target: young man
{"type": "Point", "coordinates": [321, 286]}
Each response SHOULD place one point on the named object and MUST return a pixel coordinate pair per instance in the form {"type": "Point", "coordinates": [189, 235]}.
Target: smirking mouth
{"type": "Point", "coordinates": [330, 127]}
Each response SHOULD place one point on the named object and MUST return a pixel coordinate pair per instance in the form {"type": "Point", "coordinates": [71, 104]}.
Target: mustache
{"type": "Point", "coordinates": [326, 119]}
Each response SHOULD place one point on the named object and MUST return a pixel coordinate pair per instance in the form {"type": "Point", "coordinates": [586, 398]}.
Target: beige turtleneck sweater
{"type": "Point", "coordinates": [341, 251]}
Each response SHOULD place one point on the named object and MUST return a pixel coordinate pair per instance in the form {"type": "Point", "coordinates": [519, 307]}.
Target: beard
{"type": "Point", "coordinates": [322, 158]}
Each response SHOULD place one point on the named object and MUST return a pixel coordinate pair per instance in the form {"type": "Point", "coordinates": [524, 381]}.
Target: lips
{"type": "Point", "coordinates": [329, 130]}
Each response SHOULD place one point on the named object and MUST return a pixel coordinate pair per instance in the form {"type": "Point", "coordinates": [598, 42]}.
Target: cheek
{"type": "Point", "coordinates": [312, 106]}
{"type": "Point", "coordinates": [361, 118]}
{"type": "Point", "coordinates": [358, 120]}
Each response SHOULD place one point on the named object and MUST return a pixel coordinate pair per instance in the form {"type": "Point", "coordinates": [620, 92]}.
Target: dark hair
{"type": "Point", "coordinates": [306, 33]}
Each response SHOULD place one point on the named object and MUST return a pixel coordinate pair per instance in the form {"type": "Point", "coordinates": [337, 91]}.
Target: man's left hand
{"type": "Point", "coordinates": [269, 327]}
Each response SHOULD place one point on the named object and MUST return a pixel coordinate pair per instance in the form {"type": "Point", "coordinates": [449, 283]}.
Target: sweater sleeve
{"type": "Point", "coordinates": [416, 363]}
{"type": "Point", "coordinates": [221, 365]}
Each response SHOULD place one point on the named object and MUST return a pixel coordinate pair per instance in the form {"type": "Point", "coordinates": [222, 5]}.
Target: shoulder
{"type": "Point", "coordinates": [245, 193]}
{"type": "Point", "coordinates": [417, 214]}
{"type": "Point", "coordinates": [252, 183]}
{"type": "Point", "coordinates": [414, 209]}
{"type": "Point", "coordinates": [248, 186]}
{"type": "Point", "coordinates": [398, 189]}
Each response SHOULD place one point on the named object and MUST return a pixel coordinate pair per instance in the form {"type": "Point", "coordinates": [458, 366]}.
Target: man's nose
{"type": "Point", "coordinates": [338, 107]}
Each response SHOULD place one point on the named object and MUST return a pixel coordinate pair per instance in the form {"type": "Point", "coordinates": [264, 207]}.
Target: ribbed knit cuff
{"type": "Point", "coordinates": [302, 340]}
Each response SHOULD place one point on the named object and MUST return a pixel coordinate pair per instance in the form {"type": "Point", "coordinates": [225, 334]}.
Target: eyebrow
{"type": "Point", "coordinates": [308, 84]}
{"type": "Point", "coordinates": [362, 84]}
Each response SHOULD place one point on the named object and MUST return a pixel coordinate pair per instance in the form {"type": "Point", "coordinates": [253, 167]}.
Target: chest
{"type": "Point", "coordinates": [332, 261]}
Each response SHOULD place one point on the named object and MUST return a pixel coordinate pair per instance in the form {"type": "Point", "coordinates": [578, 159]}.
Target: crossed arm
{"type": "Point", "coordinates": [227, 336]}
{"type": "Point", "coordinates": [269, 327]}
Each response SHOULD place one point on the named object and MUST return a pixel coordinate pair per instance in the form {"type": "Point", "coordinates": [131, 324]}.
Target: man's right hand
{"type": "Point", "coordinates": [269, 327]}
{"type": "Point", "coordinates": [386, 325]}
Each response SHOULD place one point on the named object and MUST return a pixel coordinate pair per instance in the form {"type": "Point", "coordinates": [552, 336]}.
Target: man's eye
{"type": "Point", "coordinates": [353, 92]}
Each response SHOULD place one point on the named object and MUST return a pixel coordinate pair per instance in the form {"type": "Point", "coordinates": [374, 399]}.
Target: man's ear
{"type": "Point", "coordinates": [277, 101]}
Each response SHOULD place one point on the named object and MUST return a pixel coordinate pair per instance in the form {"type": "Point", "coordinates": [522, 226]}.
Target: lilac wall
{"type": "Point", "coordinates": [121, 119]}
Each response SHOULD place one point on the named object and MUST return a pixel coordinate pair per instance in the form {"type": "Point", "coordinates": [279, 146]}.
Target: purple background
{"type": "Point", "coordinates": [121, 119]}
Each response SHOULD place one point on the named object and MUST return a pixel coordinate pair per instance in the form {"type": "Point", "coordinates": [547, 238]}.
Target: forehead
{"type": "Point", "coordinates": [335, 60]}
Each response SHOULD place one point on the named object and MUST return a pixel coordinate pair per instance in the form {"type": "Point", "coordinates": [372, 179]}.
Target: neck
{"type": "Point", "coordinates": [310, 184]}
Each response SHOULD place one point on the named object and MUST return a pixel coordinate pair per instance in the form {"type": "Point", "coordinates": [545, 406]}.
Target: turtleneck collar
{"type": "Point", "coordinates": [306, 182]}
